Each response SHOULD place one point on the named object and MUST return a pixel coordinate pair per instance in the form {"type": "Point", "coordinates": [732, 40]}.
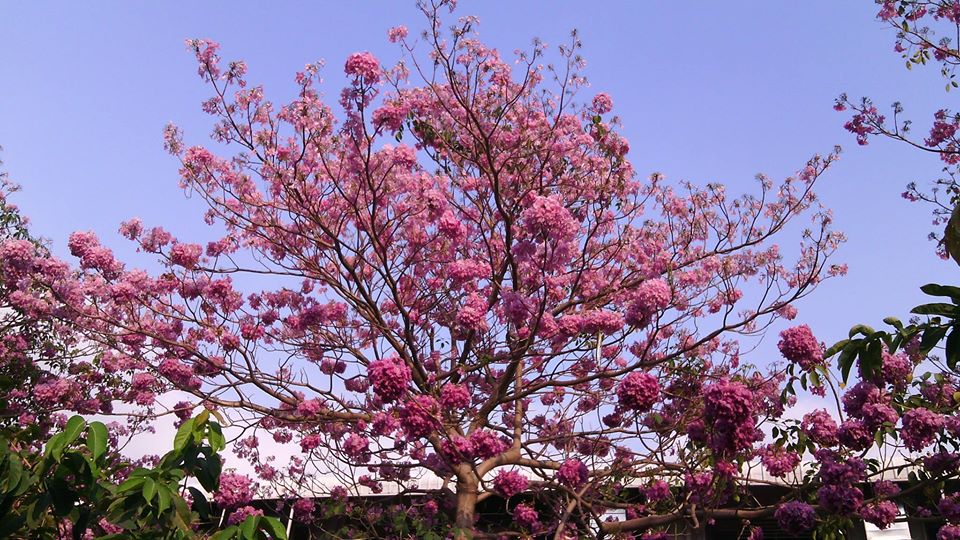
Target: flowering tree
{"type": "Point", "coordinates": [458, 274]}
{"type": "Point", "coordinates": [925, 32]}
{"type": "Point", "coordinates": [44, 369]}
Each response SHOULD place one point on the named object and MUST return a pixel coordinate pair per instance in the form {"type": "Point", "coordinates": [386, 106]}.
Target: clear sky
{"type": "Point", "coordinates": [708, 91]}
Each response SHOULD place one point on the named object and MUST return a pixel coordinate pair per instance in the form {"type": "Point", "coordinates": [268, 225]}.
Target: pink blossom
{"type": "Point", "coordinates": [729, 417]}
{"type": "Point", "coordinates": [820, 427]}
{"type": "Point", "coordinates": [779, 461]}
{"type": "Point", "coordinates": [796, 517]}
{"type": "Point", "coordinates": [389, 378]}
{"type": "Point", "coordinates": [487, 444]}
{"type": "Point", "coordinates": [605, 322]}
{"type": "Point", "coordinates": [235, 490]}
{"type": "Point", "coordinates": [397, 33]}
{"type": "Point", "coordinates": [602, 103]}
{"type": "Point", "coordinates": [547, 217]}
{"type": "Point", "coordinates": [573, 473]}
{"type": "Point", "coordinates": [798, 345]}
{"type": "Point", "coordinates": [509, 483]}
{"type": "Point", "coordinates": [854, 435]}
{"type": "Point", "coordinates": [472, 314]}
{"type": "Point", "coordinates": [418, 416]}
{"type": "Point", "coordinates": [526, 517]}
{"type": "Point", "coordinates": [658, 490]}
{"type": "Point", "coordinates": [303, 509]}
{"type": "Point", "coordinates": [18, 254]}
{"type": "Point", "coordinates": [357, 448]}
{"type": "Point", "coordinates": [454, 397]}
{"type": "Point", "coordinates": [949, 532]}
{"type": "Point", "coordinates": [949, 507]}
{"type": "Point", "coordinates": [650, 297]}
{"type": "Point", "coordinates": [242, 513]}
{"type": "Point", "coordinates": [185, 255]}
{"type": "Point", "coordinates": [920, 427]}
{"type": "Point", "coordinates": [638, 391]}
{"type": "Point", "coordinates": [842, 500]}
{"type": "Point", "coordinates": [365, 65]}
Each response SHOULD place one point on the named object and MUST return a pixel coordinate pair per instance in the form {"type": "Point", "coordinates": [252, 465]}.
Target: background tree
{"type": "Point", "coordinates": [46, 367]}
{"type": "Point", "coordinates": [926, 32]}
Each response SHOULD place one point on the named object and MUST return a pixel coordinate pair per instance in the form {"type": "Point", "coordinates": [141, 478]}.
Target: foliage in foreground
{"type": "Point", "coordinates": [79, 487]}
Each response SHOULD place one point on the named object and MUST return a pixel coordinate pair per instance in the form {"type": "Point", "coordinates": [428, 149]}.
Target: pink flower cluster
{"type": "Point", "coordinates": [949, 508]}
{"type": "Point", "coordinates": [526, 517]}
{"type": "Point", "coordinates": [867, 402]}
{"type": "Point", "coordinates": [92, 255]}
{"type": "Point", "coordinates": [573, 473]}
{"type": "Point", "coordinates": [779, 461]}
{"type": "Point", "coordinates": [820, 427]}
{"type": "Point", "coordinates": [242, 513]}
{"type": "Point", "coordinates": [638, 391]}
{"type": "Point", "coordinates": [602, 103]}
{"type": "Point", "coordinates": [472, 314]}
{"type": "Point", "coordinates": [920, 427]}
{"type": "Point", "coordinates": [799, 346]}
{"type": "Point", "coordinates": [729, 417]}
{"type": "Point", "coordinates": [365, 65]}
{"type": "Point", "coordinates": [658, 490]}
{"type": "Point", "coordinates": [454, 397]}
{"type": "Point", "coordinates": [487, 444]}
{"type": "Point", "coordinates": [838, 494]}
{"type": "Point", "coordinates": [509, 483]}
{"type": "Point", "coordinates": [949, 532]}
{"type": "Point", "coordinates": [796, 517]}
{"type": "Point", "coordinates": [235, 490]}
{"type": "Point", "coordinates": [389, 377]}
{"type": "Point", "coordinates": [357, 447]}
{"type": "Point", "coordinates": [185, 255]}
{"type": "Point", "coordinates": [882, 514]}
{"type": "Point", "coordinates": [650, 297]}
{"type": "Point", "coordinates": [419, 416]}
{"type": "Point", "coordinates": [397, 33]}
{"type": "Point", "coordinates": [547, 217]}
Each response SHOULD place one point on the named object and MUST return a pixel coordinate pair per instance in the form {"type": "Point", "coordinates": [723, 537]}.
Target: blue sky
{"type": "Point", "coordinates": [710, 92]}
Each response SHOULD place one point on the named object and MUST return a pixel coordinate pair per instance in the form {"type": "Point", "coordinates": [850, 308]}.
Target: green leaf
{"type": "Point", "coordinates": [871, 359]}
{"type": "Point", "coordinates": [55, 446]}
{"type": "Point", "coordinates": [275, 527]}
{"type": "Point", "coordinates": [164, 496]}
{"type": "Point", "coordinates": [835, 348]}
{"type": "Point", "coordinates": [217, 441]}
{"type": "Point", "coordinates": [75, 426]}
{"type": "Point", "coordinates": [14, 472]}
{"type": "Point", "coordinates": [249, 527]}
{"type": "Point", "coordinates": [229, 532]}
{"type": "Point", "coordinates": [149, 489]}
{"type": "Point", "coordinates": [847, 357]}
{"type": "Point", "coordinates": [936, 308]}
{"type": "Point", "coordinates": [208, 474]}
{"type": "Point", "coordinates": [934, 289]}
{"type": "Point", "coordinates": [931, 337]}
{"type": "Point", "coordinates": [131, 484]}
{"type": "Point", "coordinates": [94, 470]}
{"type": "Point", "coordinates": [952, 349]}
{"type": "Point", "coordinates": [184, 434]}
{"type": "Point", "coordinates": [200, 504]}
{"type": "Point", "coordinates": [97, 437]}
{"type": "Point", "coordinates": [894, 322]}
{"type": "Point", "coordinates": [861, 329]}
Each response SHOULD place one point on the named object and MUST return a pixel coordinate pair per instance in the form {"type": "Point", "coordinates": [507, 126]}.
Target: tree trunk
{"type": "Point", "coordinates": [466, 506]}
